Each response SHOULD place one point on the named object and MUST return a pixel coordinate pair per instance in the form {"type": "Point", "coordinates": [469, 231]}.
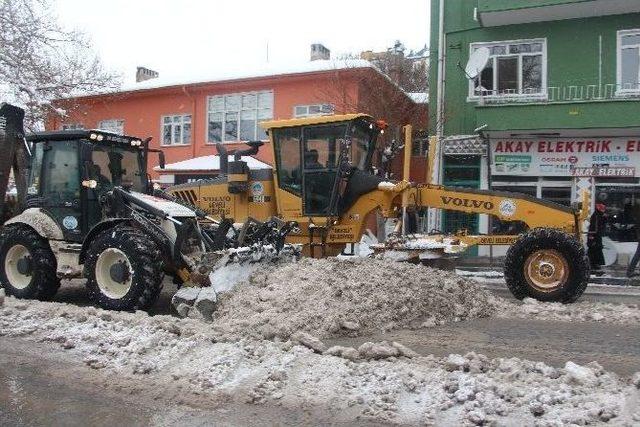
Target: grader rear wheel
{"type": "Point", "coordinates": [546, 269]}
{"type": "Point", "coordinates": [548, 265]}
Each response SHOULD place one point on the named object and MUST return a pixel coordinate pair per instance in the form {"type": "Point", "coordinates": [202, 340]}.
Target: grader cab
{"type": "Point", "coordinates": [323, 180]}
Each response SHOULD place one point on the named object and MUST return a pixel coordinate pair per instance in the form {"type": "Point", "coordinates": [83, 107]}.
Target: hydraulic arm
{"type": "Point", "coordinates": [14, 152]}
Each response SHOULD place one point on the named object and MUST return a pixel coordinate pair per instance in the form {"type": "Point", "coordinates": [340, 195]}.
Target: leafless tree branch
{"type": "Point", "coordinates": [40, 61]}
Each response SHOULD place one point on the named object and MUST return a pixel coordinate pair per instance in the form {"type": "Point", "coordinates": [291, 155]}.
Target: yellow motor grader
{"type": "Point", "coordinates": [323, 181]}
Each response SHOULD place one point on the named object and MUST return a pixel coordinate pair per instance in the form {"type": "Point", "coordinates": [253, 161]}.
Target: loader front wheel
{"type": "Point", "coordinates": [548, 265]}
{"type": "Point", "coordinates": [124, 270]}
{"type": "Point", "coordinates": [27, 264]}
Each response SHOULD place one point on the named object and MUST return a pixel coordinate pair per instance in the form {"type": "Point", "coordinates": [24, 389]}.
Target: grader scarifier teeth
{"type": "Point", "coordinates": [257, 242]}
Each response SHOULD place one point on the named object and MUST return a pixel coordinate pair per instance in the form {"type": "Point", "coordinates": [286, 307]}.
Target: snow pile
{"type": "Point", "coordinates": [181, 360]}
{"type": "Point", "coordinates": [330, 297]}
{"type": "Point", "coordinates": [623, 314]}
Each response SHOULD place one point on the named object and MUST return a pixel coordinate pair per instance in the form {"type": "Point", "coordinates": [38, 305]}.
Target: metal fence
{"type": "Point", "coordinates": [592, 92]}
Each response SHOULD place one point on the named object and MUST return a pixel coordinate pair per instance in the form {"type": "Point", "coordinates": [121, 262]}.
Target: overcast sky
{"type": "Point", "coordinates": [173, 37]}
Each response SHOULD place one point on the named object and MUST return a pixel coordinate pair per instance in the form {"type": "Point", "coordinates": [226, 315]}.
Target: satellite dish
{"type": "Point", "coordinates": [477, 62]}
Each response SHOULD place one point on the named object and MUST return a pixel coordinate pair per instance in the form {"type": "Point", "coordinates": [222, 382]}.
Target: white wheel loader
{"type": "Point", "coordinates": [86, 208]}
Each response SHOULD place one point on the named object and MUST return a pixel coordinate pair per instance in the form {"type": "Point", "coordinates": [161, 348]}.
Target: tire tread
{"type": "Point", "coordinates": [547, 238]}
{"type": "Point", "coordinates": [146, 260]}
{"type": "Point", "coordinates": [46, 283]}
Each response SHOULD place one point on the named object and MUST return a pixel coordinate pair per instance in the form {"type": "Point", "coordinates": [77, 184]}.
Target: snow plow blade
{"type": "Point", "coordinates": [221, 270]}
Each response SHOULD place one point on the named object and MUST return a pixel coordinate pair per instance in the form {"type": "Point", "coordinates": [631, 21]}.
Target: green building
{"type": "Point", "coordinates": [554, 112]}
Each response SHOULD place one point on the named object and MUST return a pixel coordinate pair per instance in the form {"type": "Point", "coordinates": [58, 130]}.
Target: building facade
{"type": "Point", "coordinates": [186, 119]}
{"type": "Point", "coordinates": [554, 110]}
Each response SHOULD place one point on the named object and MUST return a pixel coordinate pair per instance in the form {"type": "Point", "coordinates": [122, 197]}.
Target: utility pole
{"type": "Point", "coordinates": [434, 214]}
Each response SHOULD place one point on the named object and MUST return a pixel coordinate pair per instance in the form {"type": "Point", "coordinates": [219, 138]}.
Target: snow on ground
{"type": "Point", "coordinates": [265, 347]}
{"type": "Point", "coordinates": [187, 362]}
{"type": "Point", "coordinates": [355, 296]}
{"type": "Point", "coordinates": [331, 297]}
{"type": "Point", "coordinates": [623, 314]}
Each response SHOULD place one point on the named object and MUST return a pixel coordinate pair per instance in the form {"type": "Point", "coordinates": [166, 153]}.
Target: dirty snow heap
{"type": "Point", "coordinates": [332, 297]}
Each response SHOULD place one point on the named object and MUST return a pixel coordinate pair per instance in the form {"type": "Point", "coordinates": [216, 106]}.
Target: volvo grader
{"type": "Point", "coordinates": [323, 180]}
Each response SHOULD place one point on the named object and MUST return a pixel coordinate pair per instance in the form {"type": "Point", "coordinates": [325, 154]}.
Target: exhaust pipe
{"type": "Point", "coordinates": [224, 158]}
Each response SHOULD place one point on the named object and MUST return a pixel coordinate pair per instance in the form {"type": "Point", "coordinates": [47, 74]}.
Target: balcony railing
{"type": "Point", "coordinates": [566, 93]}
{"type": "Point", "coordinates": [592, 92]}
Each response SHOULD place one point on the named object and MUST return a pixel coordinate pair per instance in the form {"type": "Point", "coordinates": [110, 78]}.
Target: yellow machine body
{"type": "Point", "coordinates": [213, 196]}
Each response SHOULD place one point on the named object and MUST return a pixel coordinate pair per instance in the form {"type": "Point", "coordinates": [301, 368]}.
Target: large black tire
{"type": "Point", "coordinates": [134, 286]}
{"type": "Point", "coordinates": [541, 247]}
{"type": "Point", "coordinates": [27, 264]}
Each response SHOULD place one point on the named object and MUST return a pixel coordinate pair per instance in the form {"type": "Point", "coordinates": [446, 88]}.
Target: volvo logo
{"type": "Point", "coordinates": [467, 203]}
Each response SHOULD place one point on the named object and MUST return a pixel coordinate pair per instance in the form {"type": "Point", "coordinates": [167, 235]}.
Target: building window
{"type": "Point", "coordinates": [628, 61]}
{"type": "Point", "coordinates": [420, 146]}
{"type": "Point", "coordinates": [112, 125]}
{"type": "Point", "coordinates": [517, 68]}
{"type": "Point", "coordinates": [313, 110]}
{"type": "Point", "coordinates": [176, 130]}
{"type": "Point", "coordinates": [73, 126]}
{"type": "Point", "coordinates": [236, 117]}
{"type": "Point", "coordinates": [620, 195]}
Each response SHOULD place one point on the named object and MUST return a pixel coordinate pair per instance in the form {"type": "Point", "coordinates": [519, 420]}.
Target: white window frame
{"type": "Point", "coordinates": [119, 122]}
{"type": "Point", "coordinates": [328, 107]}
{"type": "Point", "coordinates": [543, 95]}
{"type": "Point", "coordinates": [539, 182]}
{"type": "Point", "coordinates": [224, 111]}
{"type": "Point", "coordinates": [620, 91]}
{"type": "Point", "coordinates": [182, 122]}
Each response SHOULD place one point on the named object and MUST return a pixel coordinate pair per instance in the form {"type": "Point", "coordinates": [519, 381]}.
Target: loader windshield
{"type": "Point", "coordinates": [114, 165]}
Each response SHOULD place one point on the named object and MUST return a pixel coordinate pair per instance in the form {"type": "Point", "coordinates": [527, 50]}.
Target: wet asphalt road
{"type": "Point", "coordinates": [615, 347]}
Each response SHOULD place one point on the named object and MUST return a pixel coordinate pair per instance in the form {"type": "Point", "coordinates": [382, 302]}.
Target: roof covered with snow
{"type": "Point", "coordinates": [195, 76]}
{"type": "Point", "coordinates": [419, 97]}
{"type": "Point", "coordinates": [265, 70]}
{"type": "Point", "coordinates": [209, 163]}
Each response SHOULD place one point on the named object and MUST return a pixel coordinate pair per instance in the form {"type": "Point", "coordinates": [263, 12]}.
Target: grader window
{"type": "Point", "coordinates": [361, 144]}
{"type": "Point", "coordinates": [321, 156]}
{"type": "Point", "coordinates": [287, 145]}
{"type": "Point", "coordinates": [322, 146]}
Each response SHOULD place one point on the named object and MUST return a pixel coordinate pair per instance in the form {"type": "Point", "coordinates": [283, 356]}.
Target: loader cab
{"type": "Point", "coordinates": [317, 160]}
{"type": "Point", "coordinates": [71, 171]}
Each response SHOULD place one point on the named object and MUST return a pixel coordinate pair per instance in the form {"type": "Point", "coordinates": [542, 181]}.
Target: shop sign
{"type": "Point", "coordinates": [561, 156]}
{"type": "Point", "coordinates": [600, 171]}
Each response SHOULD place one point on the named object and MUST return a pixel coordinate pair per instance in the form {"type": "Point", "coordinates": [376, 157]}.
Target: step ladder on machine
{"type": "Point", "coordinates": [322, 232]}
